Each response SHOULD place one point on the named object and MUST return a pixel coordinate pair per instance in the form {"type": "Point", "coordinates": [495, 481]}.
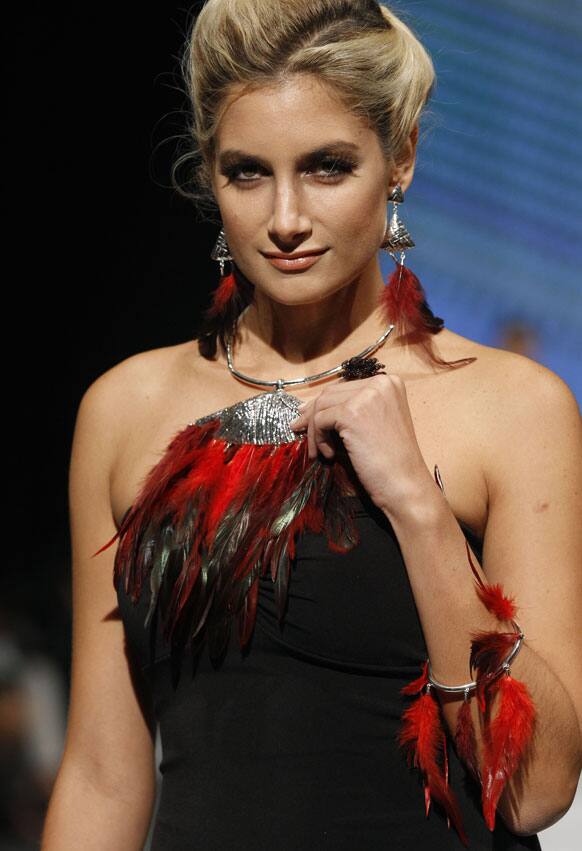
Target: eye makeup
{"type": "Point", "coordinates": [330, 163]}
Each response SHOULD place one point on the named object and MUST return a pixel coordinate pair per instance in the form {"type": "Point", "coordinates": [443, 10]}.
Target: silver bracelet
{"type": "Point", "coordinates": [466, 688]}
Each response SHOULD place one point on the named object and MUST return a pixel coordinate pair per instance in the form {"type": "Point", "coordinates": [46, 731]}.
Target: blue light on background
{"type": "Point", "coordinates": [495, 208]}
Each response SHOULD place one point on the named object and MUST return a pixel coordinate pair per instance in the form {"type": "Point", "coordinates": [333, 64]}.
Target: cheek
{"type": "Point", "coordinates": [242, 214]}
{"type": "Point", "coordinates": [358, 219]}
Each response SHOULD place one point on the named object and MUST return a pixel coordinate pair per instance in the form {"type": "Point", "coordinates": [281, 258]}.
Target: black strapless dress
{"type": "Point", "coordinates": [291, 745]}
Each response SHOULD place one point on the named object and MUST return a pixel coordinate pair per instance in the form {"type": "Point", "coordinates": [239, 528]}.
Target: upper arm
{"type": "Point", "coordinates": [110, 725]}
{"type": "Point", "coordinates": [533, 540]}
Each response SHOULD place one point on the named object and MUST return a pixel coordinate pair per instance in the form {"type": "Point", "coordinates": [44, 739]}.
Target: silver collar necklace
{"type": "Point", "coordinates": [358, 366]}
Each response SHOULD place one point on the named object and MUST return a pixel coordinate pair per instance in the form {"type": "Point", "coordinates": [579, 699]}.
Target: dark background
{"type": "Point", "coordinates": [107, 259]}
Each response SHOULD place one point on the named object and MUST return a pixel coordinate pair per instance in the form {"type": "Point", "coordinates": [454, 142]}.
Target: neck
{"type": "Point", "coordinates": [290, 340]}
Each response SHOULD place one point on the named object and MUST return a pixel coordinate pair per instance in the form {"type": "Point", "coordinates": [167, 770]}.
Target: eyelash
{"type": "Point", "coordinates": [340, 166]}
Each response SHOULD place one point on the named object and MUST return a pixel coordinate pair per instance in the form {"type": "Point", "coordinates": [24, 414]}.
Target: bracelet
{"type": "Point", "coordinates": [468, 687]}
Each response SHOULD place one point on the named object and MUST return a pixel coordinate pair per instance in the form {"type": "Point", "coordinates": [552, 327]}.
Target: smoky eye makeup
{"type": "Point", "coordinates": [244, 169]}
{"type": "Point", "coordinates": [327, 164]}
{"type": "Point", "coordinates": [332, 164]}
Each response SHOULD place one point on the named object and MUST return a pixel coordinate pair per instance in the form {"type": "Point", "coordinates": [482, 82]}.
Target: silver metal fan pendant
{"type": "Point", "coordinates": [262, 419]}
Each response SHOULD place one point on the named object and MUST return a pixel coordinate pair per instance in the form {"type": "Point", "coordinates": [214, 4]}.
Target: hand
{"type": "Point", "coordinates": [373, 421]}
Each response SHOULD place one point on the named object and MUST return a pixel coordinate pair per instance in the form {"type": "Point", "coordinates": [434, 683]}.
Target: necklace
{"type": "Point", "coordinates": [265, 418]}
{"type": "Point", "coordinates": [350, 369]}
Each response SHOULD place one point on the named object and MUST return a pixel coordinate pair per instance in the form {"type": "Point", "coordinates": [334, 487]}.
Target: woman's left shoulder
{"type": "Point", "coordinates": [515, 395]}
{"type": "Point", "coordinates": [512, 380]}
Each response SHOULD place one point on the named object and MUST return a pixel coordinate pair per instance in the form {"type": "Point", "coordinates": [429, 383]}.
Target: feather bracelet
{"type": "Point", "coordinates": [505, 737]}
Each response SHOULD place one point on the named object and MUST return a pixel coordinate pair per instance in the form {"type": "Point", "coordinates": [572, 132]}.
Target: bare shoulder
{"type": "Point", "coordinates": [507, 377]}
{"type": "Point", "coordinates": [514, 396]}
{"type": "Point", "coordinates": [140, 378]}
{"type": "Point", "coordinates": [143, 384]}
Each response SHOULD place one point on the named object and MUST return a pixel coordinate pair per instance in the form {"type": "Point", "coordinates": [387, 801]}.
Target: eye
{"type": "Point", "coordinates": [243, 172]}
{"type": "Point", "coordinates": [333, 168]}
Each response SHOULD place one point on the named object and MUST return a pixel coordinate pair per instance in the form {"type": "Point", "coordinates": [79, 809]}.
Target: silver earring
{"type": "Point", "coordinates": [221, 252]}
{"type": "Point", "coordinates": [396, 238]}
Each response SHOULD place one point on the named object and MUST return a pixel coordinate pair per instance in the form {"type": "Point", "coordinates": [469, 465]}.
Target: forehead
{"type": "Point", "coordinates": [288, 117]}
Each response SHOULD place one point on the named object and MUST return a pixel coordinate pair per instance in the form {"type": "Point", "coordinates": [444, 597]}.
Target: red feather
{"type": "Point", "coordinates": [417, 685]}
{"type": "Point", "coordinates": [492, 596]}
{"type": "Point", "coordinates": [421, 737]}
{"type": "Point", "coordinates": [497, 603]}
{"type": "Point", "coordinates": [222, 294]}
{"type": "Point", "coordinates": [248, 615]}
{"type": "Point", "coordinates": [446, 765]}
{"type": "Point", "coordinates": [402, 297]}
{"type": "Point", "coordinates": [465, 740]}
{"type": "Point", "coordinates": [230, 510]}
{"type": "Point", "coordinates": [509, 734]}
{"type": "Point", "coordinates": [488, 651]}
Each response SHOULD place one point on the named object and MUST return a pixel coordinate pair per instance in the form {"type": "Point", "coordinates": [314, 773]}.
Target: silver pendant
{"type": "Point", "coordinates": [398, 237]}
{"type": "Point", "coordinates": [262, 419]}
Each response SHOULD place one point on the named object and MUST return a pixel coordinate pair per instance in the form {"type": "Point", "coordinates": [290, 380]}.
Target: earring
{"type": "Point", "coordinates": [397, 237]}
{"type": "Point", "coordinates": [221, 252]}
{"type": "Point", "coordinates": [403, 295]}
{"type": "Point", "coordinates": [227, 288]}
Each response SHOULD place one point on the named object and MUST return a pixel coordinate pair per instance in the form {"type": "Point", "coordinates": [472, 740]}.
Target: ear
{"type": "Point", "coordinates": [403, 171]}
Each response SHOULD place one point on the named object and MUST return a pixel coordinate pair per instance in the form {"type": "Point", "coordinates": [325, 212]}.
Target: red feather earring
{"type": "Point", "coordinates": [227, 287]}
{"type": "Point", "coordinates": [403, 295]}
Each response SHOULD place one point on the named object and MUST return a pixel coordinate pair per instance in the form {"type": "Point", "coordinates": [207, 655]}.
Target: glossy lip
{"type": "Point", "coordinates": [292, 262]}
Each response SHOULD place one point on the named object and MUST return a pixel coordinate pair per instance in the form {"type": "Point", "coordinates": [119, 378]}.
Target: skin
{"type": "Point", "coordinates": [505, 432]}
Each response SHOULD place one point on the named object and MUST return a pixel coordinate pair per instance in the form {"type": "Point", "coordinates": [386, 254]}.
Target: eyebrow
{"type": "Point", "coordinates": [231, 156]}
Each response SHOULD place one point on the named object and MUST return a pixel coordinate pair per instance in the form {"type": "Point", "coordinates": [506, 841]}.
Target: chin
{"type": "Point", "coordinates": [299, 288]}
{"type": "Point", "coordinates": [299, 296]}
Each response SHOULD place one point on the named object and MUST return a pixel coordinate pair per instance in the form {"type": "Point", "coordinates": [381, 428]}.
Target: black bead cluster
{"type": "Point", "coordinates": [358, 367]}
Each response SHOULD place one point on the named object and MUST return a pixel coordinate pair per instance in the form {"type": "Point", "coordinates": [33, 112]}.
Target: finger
{"type": "Point", "coordinates": [324, 426]}
{"type": "Point", "coordinates": [311, 447]}
{"type": "Point", "coordinates": [300, 422]}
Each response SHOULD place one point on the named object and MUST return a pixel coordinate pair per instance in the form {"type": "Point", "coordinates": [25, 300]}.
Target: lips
{"type": "Point", "coordinates": [294, 262]}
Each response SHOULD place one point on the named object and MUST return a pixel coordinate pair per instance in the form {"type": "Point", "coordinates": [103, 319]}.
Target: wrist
{"type": "Point", "coordinates": [420, 507]}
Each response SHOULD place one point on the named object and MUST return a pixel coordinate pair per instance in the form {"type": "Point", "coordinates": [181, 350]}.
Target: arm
{"type": "Point", "coordinates": [532, 546]}
{"type": "Point", "coordinates": [104, 791]}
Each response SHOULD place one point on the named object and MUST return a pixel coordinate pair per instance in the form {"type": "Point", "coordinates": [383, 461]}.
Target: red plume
{"type": "Point", "coordinates": [417, 685]}
{"type": "Point", "coordinates": [488, 652]}
{"type": "Point", "coordinates": [421, 735]}
{"type": "Point", "coordinates": [465, 738]}
{"type": "Point", "coordinates": [223, 294]}
{"type": "Point", "coordinates": [402, 297]}
{"type": "Point", "coordinates": [492, 596]}
{"type": "Point", "coordinates": [508, 736]}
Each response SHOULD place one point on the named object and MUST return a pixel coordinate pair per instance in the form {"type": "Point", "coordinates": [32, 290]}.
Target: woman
{"type": "Point", "coordinates": [284, 575]}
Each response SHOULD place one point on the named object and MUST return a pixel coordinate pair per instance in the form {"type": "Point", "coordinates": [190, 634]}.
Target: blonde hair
{"type": "Point", "coordinates": [360, 48]}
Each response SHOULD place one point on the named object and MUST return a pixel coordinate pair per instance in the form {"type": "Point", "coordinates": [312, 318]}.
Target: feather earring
{"type": "Point", "coordinates": [227, 287]}
{"type": "Point", "coordinates": [223, 294]}
{"type": "Point", "coordinates": [403, 295]}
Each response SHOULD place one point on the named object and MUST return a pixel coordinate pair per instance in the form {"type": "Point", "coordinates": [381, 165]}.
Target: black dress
{"type": "Point", "coordinates": [292, 745]}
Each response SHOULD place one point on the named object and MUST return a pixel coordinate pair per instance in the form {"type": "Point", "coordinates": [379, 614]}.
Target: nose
{"type": "Point", "coordinates": [289, 223]}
